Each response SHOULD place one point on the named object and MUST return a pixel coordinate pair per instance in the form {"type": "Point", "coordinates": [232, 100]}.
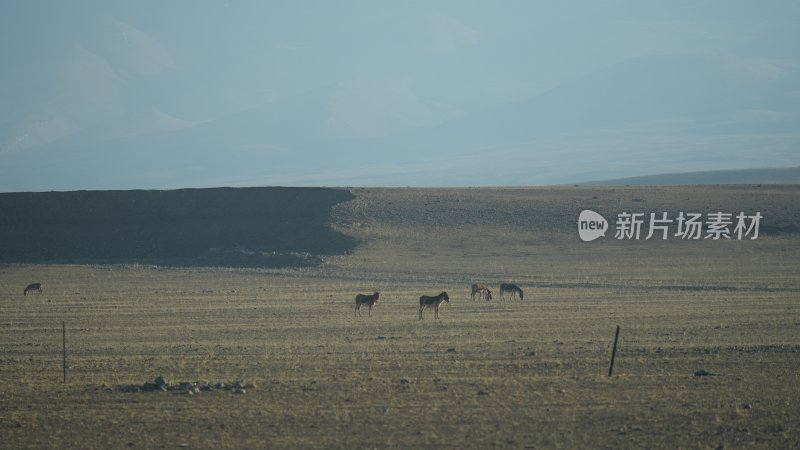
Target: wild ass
{"type": "Point", "coordinates": [508, 288]}
{"type": "Point", "coordinates": [364, 299]}
{"type": "Point", "coordinates": [427, 301]}
{"type": "Point", "coordinates": [32, 287]}
{"type": "Point", "coordinates": [481, 291]}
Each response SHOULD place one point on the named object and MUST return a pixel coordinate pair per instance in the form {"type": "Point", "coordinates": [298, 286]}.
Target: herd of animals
{"type": "Point", "coordinates": [479, 291]}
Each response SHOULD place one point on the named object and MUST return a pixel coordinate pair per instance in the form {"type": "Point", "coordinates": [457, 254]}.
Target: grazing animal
{"type": "Point", "coordinates": [32, 287]}
{"type": "Point", "coordinates": [481, 291]}
{"type": "Point", "coordinates": [427, 301]}
{"type": "Point", "coordinates": [512, 289]}
{"type": "Point", "coordinates": [364, 299]}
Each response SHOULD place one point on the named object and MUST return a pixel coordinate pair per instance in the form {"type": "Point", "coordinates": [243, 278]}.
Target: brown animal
{"type": "Point", "coordinates": [364, 299]}
{"type": "Point", "coordinates": [426, 301]}
{"type": "Point", "coordinates": [512, 289]}
{"type": "Point", "coordinates": [481, 291]}
{"type": "Point", "coordinates": [32, 287]}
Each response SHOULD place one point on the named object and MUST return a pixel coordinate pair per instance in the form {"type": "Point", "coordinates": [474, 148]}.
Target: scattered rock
{"type": "Point", "coordinates": [241, 384]}
{"type": "Point", "coordinates": [160, 384]}
{"type": "Point", "coordinates": [161, 381]}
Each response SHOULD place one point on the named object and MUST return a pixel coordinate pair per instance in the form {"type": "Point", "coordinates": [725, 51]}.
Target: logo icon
{"type": "Point", "coordinates": [591, 225]}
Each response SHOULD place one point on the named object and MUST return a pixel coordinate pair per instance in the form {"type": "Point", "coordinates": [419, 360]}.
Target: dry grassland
{"type": "Point", "coordinates": [526, 374]}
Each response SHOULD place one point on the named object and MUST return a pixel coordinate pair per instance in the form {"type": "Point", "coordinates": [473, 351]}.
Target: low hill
{"type": "Point", "coordinates": [396, 229]}
{"type": "Point", "coordinates": [254, 227]}
{"type": "Point", "coordinates": [787, 175]}
{"type": "Point", "coordinates": [530, 235]}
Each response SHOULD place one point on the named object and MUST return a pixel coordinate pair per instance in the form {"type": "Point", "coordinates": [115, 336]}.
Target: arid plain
{"type": "Point", "coordinates": [529, 373]}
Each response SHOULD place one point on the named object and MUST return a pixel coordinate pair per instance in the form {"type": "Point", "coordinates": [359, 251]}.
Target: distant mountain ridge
{"type": "Point", "coordinates": [111, 96]}
{"type": "Point", "coordinates": [340, 135]}
{"type": "Point", "coordinates": [788, 175]}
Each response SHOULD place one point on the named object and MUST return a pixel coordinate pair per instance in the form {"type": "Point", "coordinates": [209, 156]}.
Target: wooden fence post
{"type": "Point", "coordinates": [613, 352]}
{"type": "Point", "coordinates": [64, 346]}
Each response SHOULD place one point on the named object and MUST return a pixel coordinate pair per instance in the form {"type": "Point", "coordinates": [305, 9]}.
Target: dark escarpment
{"type": "Point", "coordinates": [235, 227]}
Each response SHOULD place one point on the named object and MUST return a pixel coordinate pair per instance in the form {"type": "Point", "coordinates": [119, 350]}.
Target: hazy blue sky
{"type": "Point", "coordinates": [166, 94]}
